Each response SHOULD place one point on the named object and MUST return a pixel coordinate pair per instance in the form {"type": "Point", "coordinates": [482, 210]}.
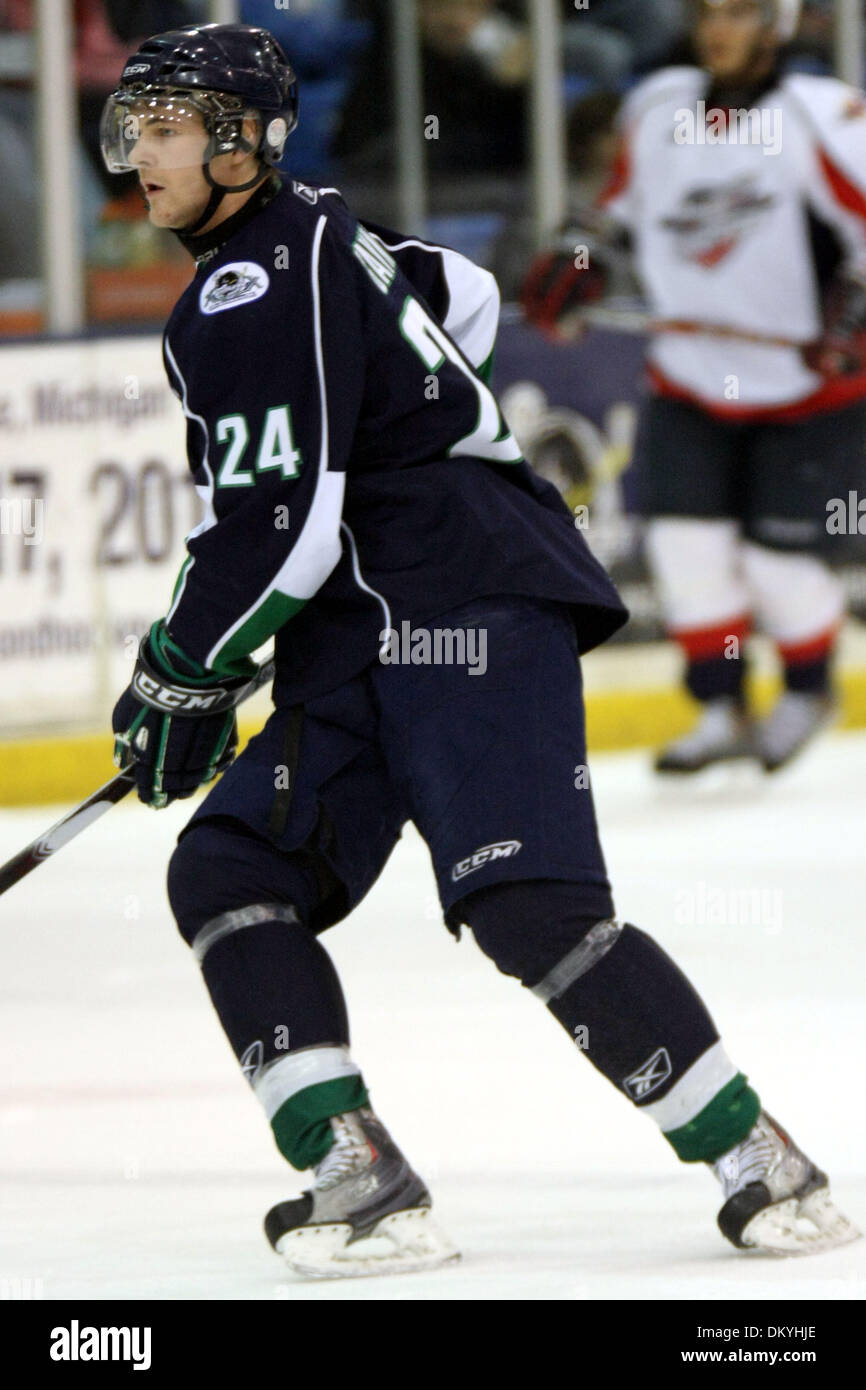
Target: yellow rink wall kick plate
{"type": "Point", "coordinates": [67, 768]}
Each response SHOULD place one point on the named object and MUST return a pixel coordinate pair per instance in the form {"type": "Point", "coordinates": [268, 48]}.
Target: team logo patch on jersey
{"type": "Point", "coordinates": [477, 860]}
{"type": "Point", "coordinates": [713, 219]}
{"type": "Point", "coordinates": [649, 1075]}
{"type": "Point", "coordinates": [238, 283]}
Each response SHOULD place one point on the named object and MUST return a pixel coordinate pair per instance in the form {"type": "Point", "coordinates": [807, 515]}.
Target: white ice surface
{"type": "Point", "coordinates": [135, 1162]}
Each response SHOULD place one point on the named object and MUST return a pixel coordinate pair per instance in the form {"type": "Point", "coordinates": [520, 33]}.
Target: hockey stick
{"type": "Point", "coordinates": [89, 811]}
{"type": "Point", "coordinates": [623, 315]}
{"type": "Point", "coordinates": [639, 321]}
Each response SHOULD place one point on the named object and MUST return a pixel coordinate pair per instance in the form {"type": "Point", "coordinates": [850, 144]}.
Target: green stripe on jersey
{"type": "Point", "coordinates": [263, 622]}
{"type": "Point", "coordinates": [180, 578]}
{"type": "Point", "coordinates": [485, 370]}
{"type": "Point", "coordinates": [719, 1126]}
{"type": "Point", "coordinates": [302, 1124]}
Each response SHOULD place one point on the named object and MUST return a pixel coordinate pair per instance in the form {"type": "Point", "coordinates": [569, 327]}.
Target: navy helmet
{"type": "Point", "coordinates": [226, 72]}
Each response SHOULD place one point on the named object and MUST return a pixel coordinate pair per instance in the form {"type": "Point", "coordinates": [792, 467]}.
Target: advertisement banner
{"type": "Point", "coordinates": [95, 501]}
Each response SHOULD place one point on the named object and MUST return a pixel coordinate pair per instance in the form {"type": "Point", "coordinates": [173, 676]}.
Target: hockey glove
{"type": "Point", "coordinates": [176, 724]}
{"type": "Point", "coordinates": [559, 285]}
{"type": "Point", "coordinates": [842, 349]}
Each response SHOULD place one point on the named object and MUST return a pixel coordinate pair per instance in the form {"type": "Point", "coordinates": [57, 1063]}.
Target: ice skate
{"type": "Point", "coordinates": [366, 1213]}
{"type": "Point", "coordinates": [791, 724]}
{"type": "Point", "coordinates": [723, 733]}
{"type": "Point", "coordinates": [776, 1200]}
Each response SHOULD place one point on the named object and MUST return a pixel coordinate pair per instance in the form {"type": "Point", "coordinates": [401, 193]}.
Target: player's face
{"type": "Point", "coordinates": [167, 156]}
{"type": "Point", "coordinates": [732, 37]}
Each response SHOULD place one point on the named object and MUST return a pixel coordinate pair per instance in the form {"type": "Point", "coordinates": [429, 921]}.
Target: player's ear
{"type": "Point", "coordinates": [251, 130]}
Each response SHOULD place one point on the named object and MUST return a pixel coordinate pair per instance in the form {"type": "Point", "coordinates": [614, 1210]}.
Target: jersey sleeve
{"type": "Point", "coordinates": [619, 196]}
{"type": "Point", "coordinates": [272, 455]}
{"type": "Point", "coordinates": [464, 297]}
{"type": "Point", "coordinates": [472, 319]}
{"type": "Point", "coordinates": [618, 199]}
{"type": "Point", "coordinates": [836, 184]}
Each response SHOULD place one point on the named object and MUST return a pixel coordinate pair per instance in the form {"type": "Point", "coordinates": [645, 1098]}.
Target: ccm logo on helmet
{"type": "Point", "coordinates": [159, 696]}
{"type": "Point", "coordinates": [505, 849]}
{"type": "Point", "coordinates": [134, 68]}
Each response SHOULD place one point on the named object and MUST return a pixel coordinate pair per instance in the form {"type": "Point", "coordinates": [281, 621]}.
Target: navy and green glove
{"type": "Point", "coordinates": [175, 725]}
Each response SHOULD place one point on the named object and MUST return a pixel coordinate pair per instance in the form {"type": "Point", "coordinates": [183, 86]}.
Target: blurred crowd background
{"type": "Point", "coordinates": [475, 67]}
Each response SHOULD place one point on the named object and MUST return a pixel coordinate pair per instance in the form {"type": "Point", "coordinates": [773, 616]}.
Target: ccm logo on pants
{"type": "Point", "coordinates": [503, 850]}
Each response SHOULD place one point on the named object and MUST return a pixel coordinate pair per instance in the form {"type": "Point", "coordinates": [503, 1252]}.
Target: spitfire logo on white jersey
{"type": "Point", "coordinates": [713, 219]}
{"type": "Point", "coordinates": [649, 1075]}
{"type": "Point", "coordinates": [240, 282]}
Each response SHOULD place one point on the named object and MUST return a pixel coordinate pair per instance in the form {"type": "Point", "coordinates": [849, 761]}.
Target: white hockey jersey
{"type": "Point", "coordinates": [723, 215]}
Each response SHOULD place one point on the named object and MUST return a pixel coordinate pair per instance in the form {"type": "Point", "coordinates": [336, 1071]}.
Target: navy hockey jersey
{"type": "Point", "coordinates": [354, 467]}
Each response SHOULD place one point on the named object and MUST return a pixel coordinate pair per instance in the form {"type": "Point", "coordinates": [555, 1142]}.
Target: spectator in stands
{"type": "Point", "coordinates": [322, 39]}
{"type": "Point", "coordinates": [591, 144]}
{"type": "Point", "coordinates": [100, 52]}
{"type": "Point", "coordinates": [609, 40]}
{"type": "Point", "coordinates": [475, 66]}
{"type": "Point", "coordinates": [131, 19]}
{"type": "Point", "coordinates": [319, 36]}
{"type": "Point", "coordinates": [812, 49]}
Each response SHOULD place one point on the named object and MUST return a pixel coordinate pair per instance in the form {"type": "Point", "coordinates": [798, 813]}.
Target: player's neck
{"type": "Point", "coordinates": [229, 205]}
{"type": "Point", "coordinates": [743, 89]}
{"type": "Point", "coordinates": [234, 212]}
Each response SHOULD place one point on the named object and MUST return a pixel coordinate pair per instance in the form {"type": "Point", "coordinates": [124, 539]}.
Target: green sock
{"type": "Point", "coordinates": [719, 1126]}
{"type": "Point", "coordinates": [302, 1124]}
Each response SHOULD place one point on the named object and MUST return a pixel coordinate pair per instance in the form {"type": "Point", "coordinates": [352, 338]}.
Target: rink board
{"type": "Point", "coordinates": [42, 770]}
{"type": "Point", "coordinates": [95, 503]}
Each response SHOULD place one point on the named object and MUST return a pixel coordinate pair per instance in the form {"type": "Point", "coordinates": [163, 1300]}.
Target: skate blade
{"type": "Point", "coordinates": [801, 1227]}
{"type": "Point", "coordinates": [733, 759]}
{"type": "Point", "coordinates": [402, 1243]}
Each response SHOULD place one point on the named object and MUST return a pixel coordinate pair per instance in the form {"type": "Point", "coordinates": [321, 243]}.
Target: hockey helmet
{"type": "Point", "coordinates": [783, 16]}
{"type": "Point", "coordinates": [225, 72]}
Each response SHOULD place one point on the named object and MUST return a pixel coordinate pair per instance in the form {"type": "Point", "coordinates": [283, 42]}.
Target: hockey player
{"type": "Point", "coordinates": [357, 478]}
{"type": "Point", "coordinates": [744, 195]}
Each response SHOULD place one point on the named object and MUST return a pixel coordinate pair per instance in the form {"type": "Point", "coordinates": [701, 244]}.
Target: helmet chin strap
{"type": "Point", "coordinates": [218, 192]}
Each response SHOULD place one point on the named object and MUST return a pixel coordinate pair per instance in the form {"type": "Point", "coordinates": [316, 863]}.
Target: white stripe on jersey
{"type": "Point", "coordinates": [362, 584]}
{"type": "Point", "coordinates": [204, 490]}
{"type": "Point", "coordinates": [472, 319]}
{"type": "Point", "coordinates": [317, 549]}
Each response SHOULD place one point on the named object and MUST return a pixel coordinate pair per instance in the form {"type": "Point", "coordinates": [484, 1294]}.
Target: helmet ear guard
{"type": "Point", "coordinates": [276, 134]}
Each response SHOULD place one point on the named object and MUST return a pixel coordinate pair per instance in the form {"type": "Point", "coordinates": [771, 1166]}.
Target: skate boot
{"type": "Point", "coordinates": [366, 1213]}
{"type": "Point", "coordinates": [723, 732]}
{"type": "Point", "coordinates": [794, 720]}
{"type": "Point", "coordinates": [775, 1198]}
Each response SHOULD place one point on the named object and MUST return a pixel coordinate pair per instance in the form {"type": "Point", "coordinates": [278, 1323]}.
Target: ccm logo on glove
{"type": "Point", "coordinates": [160, 696]}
